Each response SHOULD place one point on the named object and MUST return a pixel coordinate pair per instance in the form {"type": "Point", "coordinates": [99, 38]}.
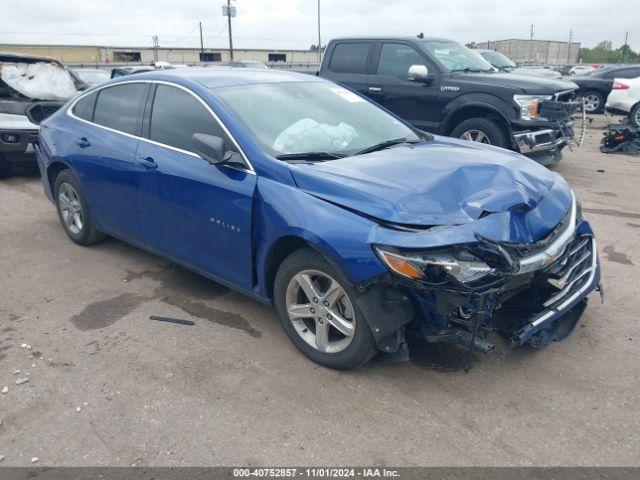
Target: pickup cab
{"type": "Point", "coordinates": [440, 86]}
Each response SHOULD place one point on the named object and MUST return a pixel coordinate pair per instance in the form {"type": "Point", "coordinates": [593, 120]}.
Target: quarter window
{"type": "Point", "coordinates": [120, 107]}
{"type": "Point", "coordinates": [84, 107]}
{"type": "Point", "coordinates": [349, 58]}
{"type": "Point", "coordinates": [177, 115]}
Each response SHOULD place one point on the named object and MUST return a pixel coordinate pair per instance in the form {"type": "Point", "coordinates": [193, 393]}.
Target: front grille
{"type": "Point", "coordinates": [571, 271]}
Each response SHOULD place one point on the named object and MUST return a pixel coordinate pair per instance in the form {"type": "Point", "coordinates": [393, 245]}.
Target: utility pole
{"type": "Point", "coordinates": [156, 44]}
{"type": "Point", "coordinates": [201, 42]}
{"type": "Point", "coordinates": [569, 47]}
{"type": "Point", "coordinates": [624, 48]}
{"type": "Point", "coordinates": [319, 42]}
{"type": "Point", "coordinates": [230, 35]}
{"type": "Point", "coordinates": [531, 43]}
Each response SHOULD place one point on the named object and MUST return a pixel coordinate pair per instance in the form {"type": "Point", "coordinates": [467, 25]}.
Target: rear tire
{"type": "Point", "coordinates": [634, 115]}
{"type": "Point", "coordinates": [481, 130]}
{"type": "Point", "coordinates": [593, 102]}
{"type": "Point", "coordinates": [73, 210]}
{"type": "Point", "coordinates": [5, 167]}
{"type": "Point", "coordinates": [346, 347]}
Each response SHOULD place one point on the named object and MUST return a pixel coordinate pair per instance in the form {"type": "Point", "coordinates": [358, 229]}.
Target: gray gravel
{"type": "Point", "coordinates": [110, 387]}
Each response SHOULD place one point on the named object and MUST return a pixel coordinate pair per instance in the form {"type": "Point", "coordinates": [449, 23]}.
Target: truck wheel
{"type": "Point", "coordinates": [73, 210]}
{"type": "Point", "coordinates": [5, 167]}
{"type": "Point", "coordinates": [318, 311]}
{"type": "Point", "coordinates": [634, 115]}
{"type": "Point", "coordinates": [480, 130]}
{"type": "Point", "coordinates": [593, 102]}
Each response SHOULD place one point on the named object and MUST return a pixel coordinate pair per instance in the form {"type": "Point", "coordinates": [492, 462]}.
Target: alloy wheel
{"type": "Point", "coordinates": [476, 136]}
{"type": "Point", "coordinates": [591, 103]}
{"type": "Point", "coordinates": [70, 208]}
{"type": "Point", "coordinates": [320, 310]}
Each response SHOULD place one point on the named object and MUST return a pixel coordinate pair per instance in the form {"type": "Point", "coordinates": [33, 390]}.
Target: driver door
{"type": "Point", "coordinates": [418, 103]}
{"type": "Point", "coordinates": [192, 211]}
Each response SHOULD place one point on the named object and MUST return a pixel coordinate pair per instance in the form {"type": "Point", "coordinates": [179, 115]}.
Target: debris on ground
{"type": "Point", "coordinates": [172, 320]}
{"type": "Point", "coordinates": [26, 346]}
{"type": "Point", "coordinates": [1, 458]}
{"type": "Point", "coordinates": [15, 372]}
{"type": "Point", "coordinates": [4, 390]}
{"type": "Point", "coordinates": [78, 409]}
{"type": "Point", "coordinates": [20, 381]}
{"type": "Point", "coordinates": [34, 459]}
{"type": "Point", "coordinates": [621, 138]}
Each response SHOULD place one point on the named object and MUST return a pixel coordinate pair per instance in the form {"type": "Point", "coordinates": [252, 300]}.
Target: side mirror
{"type": "Point", "coordinates": [419, 73]}
{"type": "Point", "coordinates": [209, 147]}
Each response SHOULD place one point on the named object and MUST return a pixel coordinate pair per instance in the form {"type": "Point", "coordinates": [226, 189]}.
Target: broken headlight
{"type": "Point", "coordinates": [436, 268]}
{"type": "Point", "coordinates": [529, 104]}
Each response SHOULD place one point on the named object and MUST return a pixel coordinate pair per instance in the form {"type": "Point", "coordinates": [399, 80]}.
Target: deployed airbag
{"type": "Point", "coordinates": [38, 81]}
{"type": "Point", "coordinates": [307, 135]}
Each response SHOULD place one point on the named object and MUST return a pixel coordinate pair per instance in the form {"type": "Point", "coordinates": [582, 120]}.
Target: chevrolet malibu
{"type": "Point", "coordinates": [361, 230]}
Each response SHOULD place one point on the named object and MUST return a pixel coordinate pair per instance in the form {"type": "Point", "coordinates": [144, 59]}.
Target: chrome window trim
{"type": "Point", "coordinates": [70, 113]}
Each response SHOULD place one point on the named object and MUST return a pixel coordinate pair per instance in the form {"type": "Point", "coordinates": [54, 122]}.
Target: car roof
{"type": "Point", "coordinates": [413, 38]}
{"type": "Point", "coordinates": [212, 77]}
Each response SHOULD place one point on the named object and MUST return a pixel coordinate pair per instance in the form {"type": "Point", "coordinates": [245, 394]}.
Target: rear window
{"type": "Point", "coordinates": [349, 58]}
{"type": "Point", "coordinates": [120, 107]}
{"type": "Point", "coordinates": [84, 107]}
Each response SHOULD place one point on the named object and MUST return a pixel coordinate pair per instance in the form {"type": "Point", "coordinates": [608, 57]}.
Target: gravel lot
{"type": "Point", "coordinates": [107, 386]}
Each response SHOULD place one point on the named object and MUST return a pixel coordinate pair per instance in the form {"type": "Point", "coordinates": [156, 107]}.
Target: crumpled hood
{"type": "Point", "coordinates": [440, 182]}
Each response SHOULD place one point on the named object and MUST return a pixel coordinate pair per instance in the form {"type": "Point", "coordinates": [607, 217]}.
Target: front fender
{"type": "Point", "coordinates": [337, 234]}
{"type": "Point", "coordinates": [477, 101]}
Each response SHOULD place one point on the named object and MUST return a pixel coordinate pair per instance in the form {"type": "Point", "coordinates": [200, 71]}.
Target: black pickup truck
{"type": "Point", "coordinates": [443, 87]}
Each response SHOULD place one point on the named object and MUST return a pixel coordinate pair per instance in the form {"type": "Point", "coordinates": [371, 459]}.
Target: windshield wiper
{"type": "Point", "coordinates": [383, 145]}
{"type": "Point", "coordinates": [309, 156]}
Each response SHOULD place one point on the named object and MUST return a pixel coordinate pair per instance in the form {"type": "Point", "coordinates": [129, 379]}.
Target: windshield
{"type": "Point", "coordinates": [455, 57]}
{"type": "Point", "coordinates": [498, 60]}
{"type": "Point", "coordinates": [302, 117]}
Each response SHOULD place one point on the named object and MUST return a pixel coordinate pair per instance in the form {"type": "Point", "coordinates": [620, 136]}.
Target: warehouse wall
{"type": "Point", "coordinates": [88, 54]}
{"type": "Point", "coordinates": [539, 52]}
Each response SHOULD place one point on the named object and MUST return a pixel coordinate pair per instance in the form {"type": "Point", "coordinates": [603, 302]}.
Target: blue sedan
{"type": "Point", "coordinates": [361, 230]}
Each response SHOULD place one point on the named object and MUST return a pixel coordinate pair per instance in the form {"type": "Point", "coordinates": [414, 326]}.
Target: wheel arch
{"type": "Point", "coordinates": [473, 110]}
{"type": "Point", "coordinates": [53, 170]}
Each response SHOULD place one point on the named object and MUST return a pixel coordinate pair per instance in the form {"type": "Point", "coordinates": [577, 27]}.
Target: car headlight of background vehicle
{"type": "Point", "coordinates": [529, 104]}
{"type": "Point", "coordinates": [436, 267]}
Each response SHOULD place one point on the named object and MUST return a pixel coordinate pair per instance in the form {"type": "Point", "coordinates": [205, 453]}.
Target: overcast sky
{"type": "Point", "coordinates": [293, 23]}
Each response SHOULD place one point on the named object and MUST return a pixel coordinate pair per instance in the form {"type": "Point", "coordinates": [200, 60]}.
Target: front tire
{"type": "Point", "coordinates": [480, 130]}
{"type": "Point", "coordinates": [634, 115]}
{"type": "Point", "coordinates": [318, 311]}
{"type": "Point", "coordinates": [593, 102]}
{"type": "Point", "coordinates": [73, 210]}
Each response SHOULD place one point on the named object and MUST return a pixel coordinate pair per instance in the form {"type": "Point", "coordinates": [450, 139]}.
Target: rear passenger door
{"type": "Point", "coordinates": [105, 146]}
{"type": "Point", "coordinates": [419, 103]}
{"type": "Point", "coordinates": [348, 64]}
{"type": "Point", "coordinates": [192, 211]}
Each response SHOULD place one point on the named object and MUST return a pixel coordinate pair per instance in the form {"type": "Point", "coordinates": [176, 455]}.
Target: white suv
{"type": "Point", "coordinates": [625, 98]}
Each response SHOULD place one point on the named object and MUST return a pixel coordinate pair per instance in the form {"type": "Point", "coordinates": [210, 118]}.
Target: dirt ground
{"type": "Point", "coordinates": [107, 386]}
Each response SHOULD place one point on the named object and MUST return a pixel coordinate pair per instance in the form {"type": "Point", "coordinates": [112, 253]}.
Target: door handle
{"type": "Point", "coordinates": [83, 142]}
{"type": "Point", "coordinates": [147, 162]}
{"type": "Point", "coordinates": [375, 89]}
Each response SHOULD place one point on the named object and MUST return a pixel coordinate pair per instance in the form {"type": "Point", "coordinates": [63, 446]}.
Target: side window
{"type": "Point", "coordinates": [120, 107]}
{"type": "Point", "coordinates": [395, 60]}
{"type": "Point", "coordinates": [349, 58]}
{"type": "Point", "coordinates": [176, 115]}
{"type": "Point", "coordinates": [84, 107]}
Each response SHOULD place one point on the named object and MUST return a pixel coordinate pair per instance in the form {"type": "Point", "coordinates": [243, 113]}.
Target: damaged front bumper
{"type": "Point", "coordinates": [539, 301]}
{"type": "Point", "coordinates": [544, 141]}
